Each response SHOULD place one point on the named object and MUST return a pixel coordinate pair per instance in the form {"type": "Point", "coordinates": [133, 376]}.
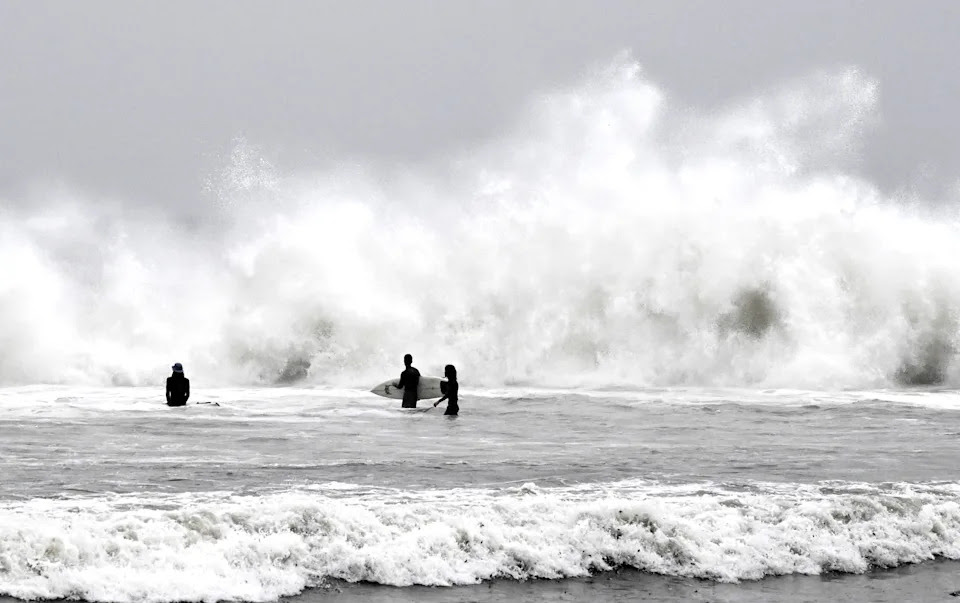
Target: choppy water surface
{"type": "Point", "coordinates": [276, 490]}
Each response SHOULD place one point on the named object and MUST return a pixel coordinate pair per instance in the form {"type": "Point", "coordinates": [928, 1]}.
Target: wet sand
{"type": "Point", "coordinates": [932, 581]}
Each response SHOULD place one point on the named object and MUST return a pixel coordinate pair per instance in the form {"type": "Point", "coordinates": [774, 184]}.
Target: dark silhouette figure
{"type": "Point", "coordinates": [452, 392]}
{"type": "Point", "coordinates": [410, 382]}
{"type": "Point", "coordinates": [178, 387]}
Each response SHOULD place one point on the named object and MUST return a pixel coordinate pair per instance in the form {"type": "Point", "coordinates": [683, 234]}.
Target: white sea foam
{"type": "Point", "coordinates": [207, 547]}
{"type": "Point", "coordinates": [611, 238]}
{"type": "Point", "coordinates": [295, 405]}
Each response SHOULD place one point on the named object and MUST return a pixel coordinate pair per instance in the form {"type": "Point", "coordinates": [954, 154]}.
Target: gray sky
{"type": "Point", "coordinates": [135, 99]}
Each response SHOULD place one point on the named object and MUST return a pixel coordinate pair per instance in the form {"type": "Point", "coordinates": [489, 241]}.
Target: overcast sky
{"type": "Point", "coordinates": [134, 99]}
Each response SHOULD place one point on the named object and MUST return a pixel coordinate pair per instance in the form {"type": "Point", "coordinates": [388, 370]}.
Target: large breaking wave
{"type": "Point", "coordinates": [611, 238]}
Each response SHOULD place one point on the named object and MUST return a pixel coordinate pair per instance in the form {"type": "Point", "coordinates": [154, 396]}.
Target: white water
{"type": "Point", "coordinates": [109, 495]}
{"type": "Point", "coordinates": [215, 547]}
{"type": "Point", "coordinates": [611, 238]}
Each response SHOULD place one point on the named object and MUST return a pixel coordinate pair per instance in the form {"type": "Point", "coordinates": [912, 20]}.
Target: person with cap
{"type": "Point", "coordinates": [178, 387]}
{"type": "Point", "coordinates": [410, 383]}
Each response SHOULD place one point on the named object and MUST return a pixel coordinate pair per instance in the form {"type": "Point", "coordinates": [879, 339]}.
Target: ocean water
{"type": "Point", "coordinates": [699, 353]}
{"type": "Point", "coordinates": [109, 495]}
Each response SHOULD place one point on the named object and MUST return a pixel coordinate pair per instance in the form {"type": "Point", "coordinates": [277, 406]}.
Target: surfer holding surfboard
{"type": "Point", "coordinates": [409, 382]}
{"type": "Point", "coordinates": [412, 387]}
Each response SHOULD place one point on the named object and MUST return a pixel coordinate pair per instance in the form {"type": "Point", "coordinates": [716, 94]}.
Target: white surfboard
{"type": "Point", "coordinates": [429, 388]}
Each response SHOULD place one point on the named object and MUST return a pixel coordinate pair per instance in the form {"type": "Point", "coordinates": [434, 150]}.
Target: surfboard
{"type": "Point", "coordinates": [429, 388]}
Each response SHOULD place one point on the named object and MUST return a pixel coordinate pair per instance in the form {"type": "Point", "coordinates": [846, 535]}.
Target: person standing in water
{"type": "Point", "coordinates": [409, 382]}
{"type": "Point", "coordinates": [452, 392]}
{"type": "Point", "coordinates": [178, 387]}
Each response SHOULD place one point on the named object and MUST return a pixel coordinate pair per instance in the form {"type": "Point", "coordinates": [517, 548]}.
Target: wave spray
{"type": "Point", "coordinates": [611, 239]}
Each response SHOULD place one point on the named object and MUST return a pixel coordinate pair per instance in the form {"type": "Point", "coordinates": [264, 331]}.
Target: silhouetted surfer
{"type": "Point", "coordinates": [452, 391]}
{"type": "Point", "coordinates": [178, 387]}
{"type": "Point", "coordinates": [409, 381]}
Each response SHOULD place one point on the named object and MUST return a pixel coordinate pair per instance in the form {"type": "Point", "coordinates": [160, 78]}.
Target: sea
{"type": "Point", "coordinates": [701, 357]}
{"type": "Point", "coordinates": [260, 494]}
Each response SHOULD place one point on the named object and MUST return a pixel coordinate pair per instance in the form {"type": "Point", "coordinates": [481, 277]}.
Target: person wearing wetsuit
{"type": "Point", "coordinates": [409, 382]}
{"type": "Point", "coordinates": [178, 387]}
{"type": "Point", "coordinates": [452, 391]}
